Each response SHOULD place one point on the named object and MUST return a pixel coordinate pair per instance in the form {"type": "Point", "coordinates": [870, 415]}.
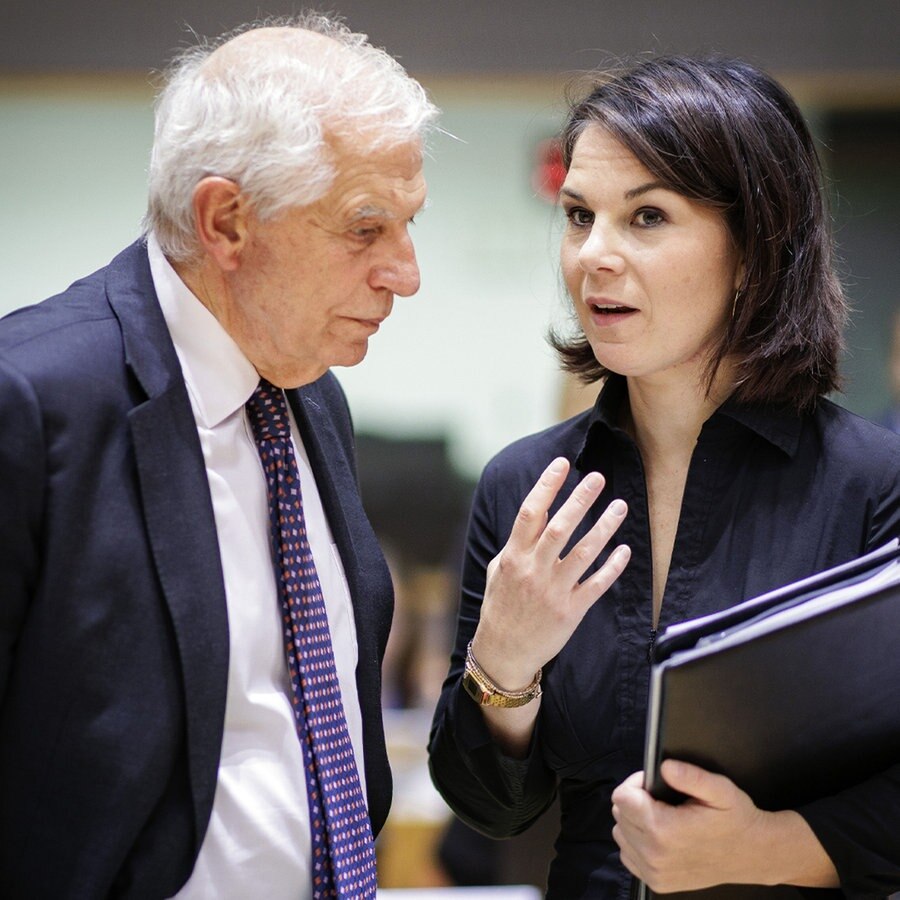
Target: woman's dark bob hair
{"type": "Point", "coordinates": [724, 133]}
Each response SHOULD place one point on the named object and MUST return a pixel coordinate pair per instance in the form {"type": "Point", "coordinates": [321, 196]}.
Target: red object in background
{"type": "Point", "coordinates": [549, 173]}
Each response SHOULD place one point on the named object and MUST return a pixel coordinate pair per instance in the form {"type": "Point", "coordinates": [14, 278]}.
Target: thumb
{"type": "Point", "coordinates": [705, 787]}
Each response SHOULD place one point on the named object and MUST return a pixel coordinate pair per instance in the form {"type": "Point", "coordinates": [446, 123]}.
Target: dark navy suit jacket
{"type": "Point", "coordinates": [113, 624]}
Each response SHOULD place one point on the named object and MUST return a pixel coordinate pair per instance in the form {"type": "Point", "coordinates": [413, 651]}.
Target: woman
{"type": "Point", "coordinates": [698, 260]}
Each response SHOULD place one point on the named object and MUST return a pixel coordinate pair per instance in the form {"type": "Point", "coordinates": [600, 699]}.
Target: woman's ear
{"type": "Point", "coordinates": [740, 272]}
{"type": "Point", "coordinates": [220, 218]}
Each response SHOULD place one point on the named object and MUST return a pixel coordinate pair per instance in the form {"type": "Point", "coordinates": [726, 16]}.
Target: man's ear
{"type": "Point", "coordinates": [220, 217]}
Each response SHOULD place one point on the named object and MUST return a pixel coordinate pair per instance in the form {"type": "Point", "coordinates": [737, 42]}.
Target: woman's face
{"type": "Point", "coordinates": [652, 274]}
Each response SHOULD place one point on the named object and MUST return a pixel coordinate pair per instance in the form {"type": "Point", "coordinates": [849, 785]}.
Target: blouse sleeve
{"type": "Point", "coordinates": [860, 827]}
{"type": "Point", "coordinates": [498, 795]}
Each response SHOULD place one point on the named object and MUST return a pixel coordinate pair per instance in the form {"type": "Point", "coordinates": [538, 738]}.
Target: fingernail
{"type": "Point", "coordinates": [674, 769]}
{"type": "Point", "coordinates": [618, 507]}
{"type": "Point", "coordinates": [593, 481]}
{"type": "Point", "coordinates": [557, 466]}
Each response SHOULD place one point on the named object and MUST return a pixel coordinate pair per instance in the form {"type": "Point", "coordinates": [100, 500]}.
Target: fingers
{"type": "Point", "coordinates": [599, 583]}
{"type": "Point", "coordinates": [710, 839]}
{"type": "Point", "coordinates": [586, 551]}
{"type": "Point", "coordinates": [712, 790]}
{"type": "Point", "coordinates": [630, 801]}
{"type": "Point", "coordinates": [547, 539]}
{"type": "Point", "coordinates": [532, 517]}
{"type": "Point", "coordinates": [705, 787]}
{"type": "Point", "coordinates": [560, 528]}
{"type": "Point", "coordinates": [634, 813]}
{"type": "Point", "coordinates": [635, 781]}
{"type": "Point", "coordinates": [555, 534]}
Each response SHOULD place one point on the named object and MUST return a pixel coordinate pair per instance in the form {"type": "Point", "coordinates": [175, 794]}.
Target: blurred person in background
{"type": "Point", "coordinates": [190, 654]}
{"type": "Point", "coordinates": [890, 417]}
{"type": "Point", "coordinates": [698, 259]}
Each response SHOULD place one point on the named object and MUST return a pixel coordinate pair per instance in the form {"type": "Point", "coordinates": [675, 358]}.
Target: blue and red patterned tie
{"type": "Point", "coordinates": [343, 851]}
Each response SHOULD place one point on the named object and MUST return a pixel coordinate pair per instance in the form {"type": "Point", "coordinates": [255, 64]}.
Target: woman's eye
{"type": "Point", "coordinates": [579, 217]}
{"type": "Point", "coordinates": [649, 217]}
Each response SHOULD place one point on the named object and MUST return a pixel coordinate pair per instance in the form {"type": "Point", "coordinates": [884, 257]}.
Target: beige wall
{"type": "Point", "coordinates": [465, 356]}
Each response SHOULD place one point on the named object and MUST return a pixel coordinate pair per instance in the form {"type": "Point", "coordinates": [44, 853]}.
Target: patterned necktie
{"type": "Point", "coordinates": [343, 851]}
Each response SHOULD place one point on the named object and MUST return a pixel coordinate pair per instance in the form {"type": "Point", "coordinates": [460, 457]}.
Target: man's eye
{"type": "Point", "coordinates": [366, 232]}
{"type": "Point", "coordinates": [579, 216]}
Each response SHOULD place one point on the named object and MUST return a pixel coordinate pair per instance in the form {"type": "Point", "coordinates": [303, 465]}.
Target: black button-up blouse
{"type": "Point", "coordinates": [770, 497]}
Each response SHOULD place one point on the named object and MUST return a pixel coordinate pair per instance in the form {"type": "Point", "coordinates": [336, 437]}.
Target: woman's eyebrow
{"type": "Point", "coordinates": [644, 188]}
{"type": "Point", "coordinates": [629, 194]}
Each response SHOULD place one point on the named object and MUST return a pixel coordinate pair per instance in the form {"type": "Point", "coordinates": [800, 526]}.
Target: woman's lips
{"type": "Point", "coordinates": [607, 312]}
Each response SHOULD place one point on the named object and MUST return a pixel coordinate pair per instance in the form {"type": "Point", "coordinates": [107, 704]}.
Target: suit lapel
{"type": "Point", "coordinates": [181, 532]}
{"type": "Point", "coordinates": [368, 578]}
{"type": "Point", "coordinates": [337, 486]}
{"type": "Point", "coordinates": [179, 518]}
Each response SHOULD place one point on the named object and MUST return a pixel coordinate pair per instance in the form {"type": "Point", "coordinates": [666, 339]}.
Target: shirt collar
{"type": "Point", "coordinates": [219, 378]}
{"type": "Point", "coordinates": [778, 425]}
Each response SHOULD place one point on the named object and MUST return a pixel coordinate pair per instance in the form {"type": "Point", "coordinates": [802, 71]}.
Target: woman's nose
{"type": "Point", "coordinates": [602, 249]}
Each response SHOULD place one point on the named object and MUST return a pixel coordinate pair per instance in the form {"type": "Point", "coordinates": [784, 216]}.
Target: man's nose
{"type": "Point", "coordinates": [400, 273]}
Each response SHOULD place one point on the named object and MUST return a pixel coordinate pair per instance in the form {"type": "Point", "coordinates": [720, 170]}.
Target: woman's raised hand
{"type": "Point", "coordinates": [534, 599]}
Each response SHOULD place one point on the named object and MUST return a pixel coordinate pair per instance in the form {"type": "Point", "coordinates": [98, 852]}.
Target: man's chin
{"type": "Point", "coordinates": [352, 356]}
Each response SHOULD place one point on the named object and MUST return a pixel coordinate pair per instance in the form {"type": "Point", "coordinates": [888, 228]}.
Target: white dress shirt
{"type": "Point", "coordinates": [258, 840]}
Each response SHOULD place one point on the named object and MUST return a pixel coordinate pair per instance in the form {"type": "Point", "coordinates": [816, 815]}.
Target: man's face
{"type": "Point", "coordinates": [315, 283]}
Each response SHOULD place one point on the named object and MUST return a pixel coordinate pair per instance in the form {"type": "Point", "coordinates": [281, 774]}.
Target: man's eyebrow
{"type": "Point", "coordinates": [370, 212]}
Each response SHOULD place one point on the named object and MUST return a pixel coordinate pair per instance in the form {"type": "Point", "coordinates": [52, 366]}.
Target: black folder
{"type": "Point", "coordinates": [793, 695]}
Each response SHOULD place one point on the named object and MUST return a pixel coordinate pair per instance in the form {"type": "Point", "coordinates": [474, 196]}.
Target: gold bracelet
{"type": "Point", "coordinates": [478, 685]}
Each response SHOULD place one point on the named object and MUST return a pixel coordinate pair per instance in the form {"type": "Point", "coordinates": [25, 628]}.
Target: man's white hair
{"type": "Point", "coordinates": [267, 119]}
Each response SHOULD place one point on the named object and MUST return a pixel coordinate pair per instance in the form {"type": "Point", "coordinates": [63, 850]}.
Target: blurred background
{"type": "Point", "coordinates": [462, 368]}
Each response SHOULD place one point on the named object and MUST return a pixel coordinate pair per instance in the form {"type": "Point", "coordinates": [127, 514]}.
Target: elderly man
{"type": "Point", "coordinates": [193, 607]}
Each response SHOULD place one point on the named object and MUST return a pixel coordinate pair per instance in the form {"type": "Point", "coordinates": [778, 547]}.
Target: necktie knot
{"type": "Point", "coordinates": [268, 413]}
